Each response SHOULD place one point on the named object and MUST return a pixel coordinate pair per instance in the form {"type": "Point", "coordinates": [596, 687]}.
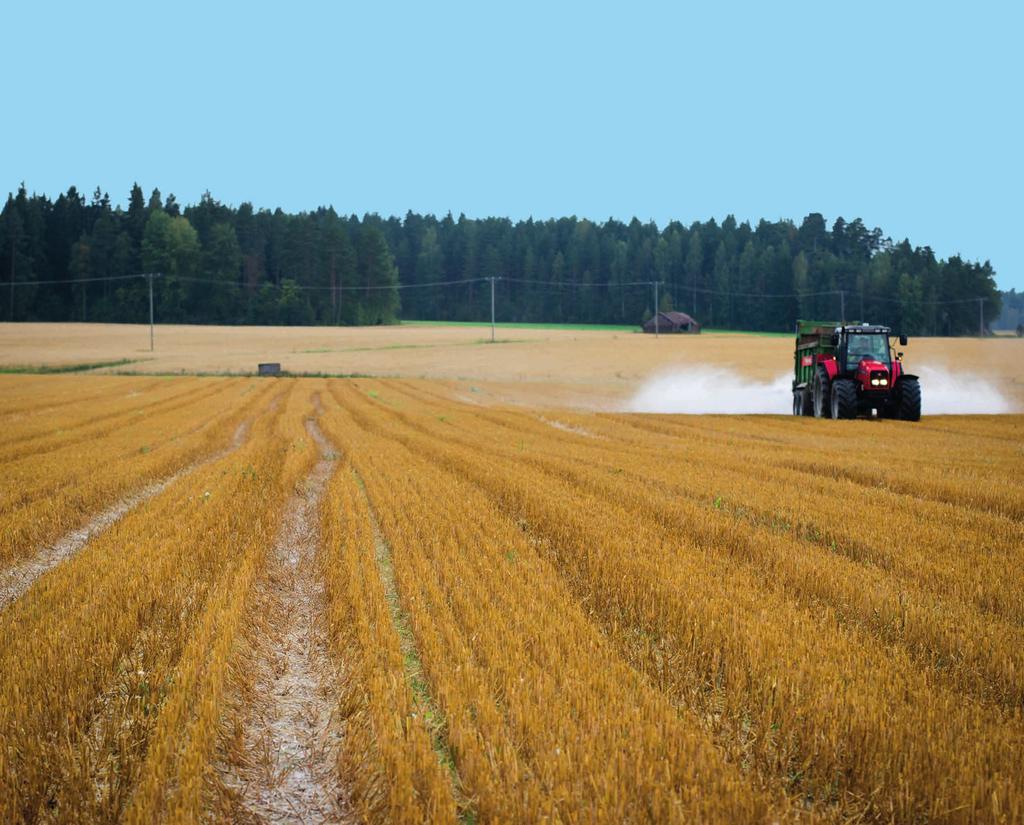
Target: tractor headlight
{"type": "Point", "coordinates": [883, 381]}
{"type": "Point", "coordinates": [875, 382]}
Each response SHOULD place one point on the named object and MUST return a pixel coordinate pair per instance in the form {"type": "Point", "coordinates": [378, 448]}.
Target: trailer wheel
{"type": "Point", "coordinates": [822, 405]}
{"type": "Point", "coordinates": [844, 399]}
{"type": "Point", "coordinates": [803, 404]}
{"type": "Point", "coordinates": [909, 404]}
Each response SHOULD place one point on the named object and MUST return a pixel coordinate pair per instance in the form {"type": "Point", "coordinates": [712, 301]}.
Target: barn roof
{"type": "Point", "coordinates": [677, 317]}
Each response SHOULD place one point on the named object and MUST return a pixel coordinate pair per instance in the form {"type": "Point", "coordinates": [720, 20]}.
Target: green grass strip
{"type": "Point", "coordinates": [49, 369]}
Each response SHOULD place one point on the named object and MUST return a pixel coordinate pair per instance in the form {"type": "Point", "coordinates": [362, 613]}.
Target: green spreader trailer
{"type": "Point", "coordinates": [846, 370]}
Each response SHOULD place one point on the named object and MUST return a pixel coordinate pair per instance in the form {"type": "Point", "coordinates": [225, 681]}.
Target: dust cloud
{"type": "Point", "coordinates": [704, 389]}
{"type": "Point", "coordinates": [946, 392]}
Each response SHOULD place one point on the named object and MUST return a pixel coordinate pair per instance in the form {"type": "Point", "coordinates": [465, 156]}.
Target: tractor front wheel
{"type": "Point", "coordinates": [820, 391]}
{"type": "Point", "coordinates": [844, 399]}
{"type": "Point", "coordinates": [909, 405]}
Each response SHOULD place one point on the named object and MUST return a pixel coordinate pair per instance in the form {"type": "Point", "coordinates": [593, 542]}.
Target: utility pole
{"type": "Point", "coordinates": [334, 291]}
{"type": "Point", "coordinates": [150, 276]}
{"type": "Point", "coordinates": [492, 280]}
{"type": "Point", "coordinates": [981, 317]}
{"type": "Point", "coordinates": [656, 310]}
{"type": "Point", "coordinates": [842, 305]}
{"type": "Point", "coordinates": [13, 240]}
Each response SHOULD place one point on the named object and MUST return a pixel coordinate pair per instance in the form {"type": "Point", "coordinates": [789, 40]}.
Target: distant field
{"type": "Point", "coordinates": [527, 325]}
{"type": "Point", "coordinates": [579, 327]}
{"type": "Point", "coordinates": [578, 367]}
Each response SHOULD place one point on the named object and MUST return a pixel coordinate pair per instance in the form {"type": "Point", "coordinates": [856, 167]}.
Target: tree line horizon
{"type": "Point", "coordinates": [221, 264]}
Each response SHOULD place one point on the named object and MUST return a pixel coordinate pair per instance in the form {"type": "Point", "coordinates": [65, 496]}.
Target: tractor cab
{"type": "Point", "coordinates": [864, 355]}
{"type": "Point", "coordinates": [859, 346]}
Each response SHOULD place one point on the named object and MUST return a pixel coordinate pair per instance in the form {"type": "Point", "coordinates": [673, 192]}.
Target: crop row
{"type": "Point", "coordinates": [45, 435]}
{"type": "Point", "coordinates": [782, 677]}
{"type": "Point", "coordinates": [544, 720]}
{"type": "Point", "coordinates": [46, 494]}
{"type": "Point", "coordinates": [529, 616]}
{"type": "Point", "coordinates": [109, 665]}
{"type": "Point", "coordinates": [904, 576]}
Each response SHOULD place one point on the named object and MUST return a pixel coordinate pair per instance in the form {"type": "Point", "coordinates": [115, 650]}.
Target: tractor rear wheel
{"type": "Point", "coordinates": [909, 404]}
{"type": "Point", "coordinates": [820, 390]}
{"type": "Point", "coordinates": [844, 398]}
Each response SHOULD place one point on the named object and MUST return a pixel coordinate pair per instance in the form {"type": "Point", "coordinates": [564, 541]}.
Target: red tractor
{"type": "Point", "coordinates": [847, 370]}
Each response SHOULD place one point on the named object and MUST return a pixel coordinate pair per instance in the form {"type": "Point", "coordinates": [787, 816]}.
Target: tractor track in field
{"type": "Point", "coordinates": [283, 768]}
{"type": "Point", "coordinates": [19, 577]}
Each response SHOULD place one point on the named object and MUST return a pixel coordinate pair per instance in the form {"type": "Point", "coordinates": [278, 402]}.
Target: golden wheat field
{"type": "Point", "coordinates": [230, 599]}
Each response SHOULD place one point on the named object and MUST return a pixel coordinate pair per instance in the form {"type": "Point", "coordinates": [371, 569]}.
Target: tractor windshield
{"type": "Point", "coordinates": [873, 346]}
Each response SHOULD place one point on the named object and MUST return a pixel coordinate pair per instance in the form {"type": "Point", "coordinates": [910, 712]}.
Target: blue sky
{"type": "Point", "coordinates": [907, 115]}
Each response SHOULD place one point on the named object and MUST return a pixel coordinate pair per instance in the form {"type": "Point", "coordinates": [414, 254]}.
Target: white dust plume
{"type": "Point", "coordinates": [704, 389]}
{"type": "Point", "coordinates": [944, 391]}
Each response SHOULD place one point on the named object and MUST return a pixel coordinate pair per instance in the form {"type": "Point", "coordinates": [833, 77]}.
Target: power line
{"type": "Point", "coordinates": [76, 280]}
{"type": "Point", "coordinates": [702, 290]}
{"type": "Point", "coordinates": [923, 302]}
{"type": "Point", "coordinates": [533, 282]}
{"type": "Point", "coordinates": [796, 295]}
{"type": "Point", "coordinates": [328, 288]}
{"type": "Point", "coordinates": [193, 280]}
{"type": "Point", "coordinates": [570, 284]}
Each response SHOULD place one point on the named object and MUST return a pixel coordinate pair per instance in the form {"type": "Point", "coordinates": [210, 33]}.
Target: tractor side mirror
{"type": "Point", "coordinates": [835, 339]}
{"type": "Point", "coordinates": [903, 340]}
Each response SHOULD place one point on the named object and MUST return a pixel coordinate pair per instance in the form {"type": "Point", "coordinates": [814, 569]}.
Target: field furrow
{"type": "Point", "coordinates": [395, 756]}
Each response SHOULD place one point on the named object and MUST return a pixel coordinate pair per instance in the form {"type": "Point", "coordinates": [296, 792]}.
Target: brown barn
{"type": "Point", "coordinates": [673, 322]}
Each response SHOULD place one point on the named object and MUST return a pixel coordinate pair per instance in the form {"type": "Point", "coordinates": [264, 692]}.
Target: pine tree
{"type": "Point", "coordinates": [380, 302]}
{"type": "Point", "coordinates": [135, 224]}
{"type": "Point", "coordinates": [694, 265]}
{"type": "Point", "coordinates": [16, 263]}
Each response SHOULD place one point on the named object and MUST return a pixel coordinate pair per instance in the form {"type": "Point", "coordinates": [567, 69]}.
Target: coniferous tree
{"type": "Point", "coordinates": [377, 272]}
{"type": "Point", "coordinates": [694, 266]}
{"type": "Point", "coordinates": [221, 263]}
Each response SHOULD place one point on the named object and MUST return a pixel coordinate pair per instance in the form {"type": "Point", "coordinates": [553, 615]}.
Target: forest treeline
{"type": "Point", "coordinates": [221, 264]}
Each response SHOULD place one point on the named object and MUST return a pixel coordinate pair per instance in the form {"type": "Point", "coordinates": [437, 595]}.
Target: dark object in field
{"type": "Point", "coordinates": [270, 368]}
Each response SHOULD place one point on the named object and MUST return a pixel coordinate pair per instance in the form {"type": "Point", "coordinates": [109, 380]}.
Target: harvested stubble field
{"type": "Point", "coordinates": [584, 369]}
{"type": "Point", "coordinates": [366, 600]}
